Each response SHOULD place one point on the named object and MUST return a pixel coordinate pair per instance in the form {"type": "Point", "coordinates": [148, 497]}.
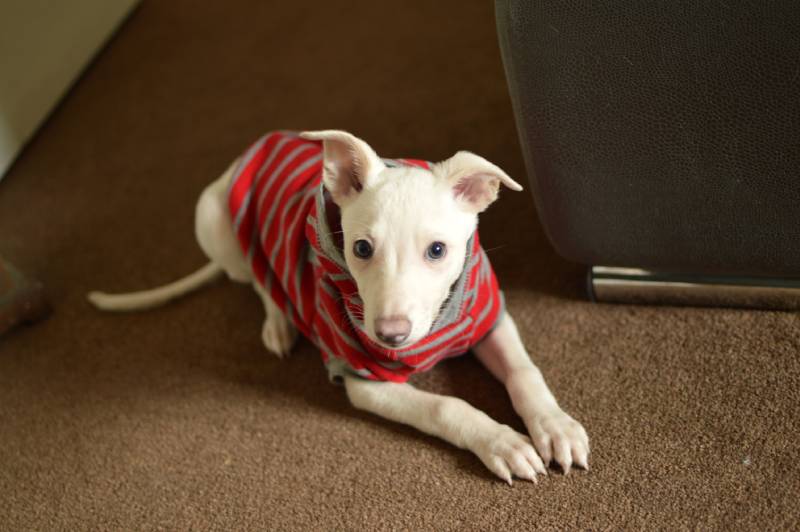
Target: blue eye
{"type": "Point", "coordinates": [362, 249]}
{"type": "Point", "coordinates": [436, 251]}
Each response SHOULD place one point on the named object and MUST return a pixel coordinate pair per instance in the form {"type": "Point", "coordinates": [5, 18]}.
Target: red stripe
{"type": "Point", "coordinates": [268, 200]}
{"type": "Point", "coordinates": [241, 185]}
{"type": "Point", "coordinates": [316, 303]}
{"type": "Point", "coordinates": [416, 162]}
{"type": "Point", "coordinates": [245, 182]}
{"type": "Point", "coordinates": [292, 217]}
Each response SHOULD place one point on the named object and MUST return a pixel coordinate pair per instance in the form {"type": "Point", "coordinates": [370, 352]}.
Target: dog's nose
{"type": "Point", "coordinates": [393, 330]}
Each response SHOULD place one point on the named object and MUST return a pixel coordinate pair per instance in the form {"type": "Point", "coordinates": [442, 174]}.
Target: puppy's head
{"type": "Point", "coordinates": [405, 230]}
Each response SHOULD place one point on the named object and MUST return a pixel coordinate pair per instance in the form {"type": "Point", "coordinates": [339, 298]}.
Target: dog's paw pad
{"type": "Point", "coordinates": [278, 334]}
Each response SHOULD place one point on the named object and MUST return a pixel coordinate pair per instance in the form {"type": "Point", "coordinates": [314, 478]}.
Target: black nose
{"type": "Point", "coordinates": [393, 330]}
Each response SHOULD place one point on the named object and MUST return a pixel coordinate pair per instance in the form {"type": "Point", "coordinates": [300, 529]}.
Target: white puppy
{"type": "Point", "coordinates": [378, 262]}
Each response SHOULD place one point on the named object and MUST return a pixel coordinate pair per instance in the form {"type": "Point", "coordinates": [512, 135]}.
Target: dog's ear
{"type": "Point", "coordinates": [474, 180]}
{"type": "Point", "coordinates": [349, 162]}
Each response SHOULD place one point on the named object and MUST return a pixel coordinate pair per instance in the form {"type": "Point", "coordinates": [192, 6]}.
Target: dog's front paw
{"type": "Point", "coordinates": [506, 452]}
{"type": "Point", "coordinates": [558, 437]}
{"type": "Point", "coordinates": [278, 334]}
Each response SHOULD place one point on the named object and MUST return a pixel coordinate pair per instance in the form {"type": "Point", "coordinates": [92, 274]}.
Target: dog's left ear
{"type": "Point", "coordinates": [349, 162]}
{"type": "Point", "coordinates": [474, 180]}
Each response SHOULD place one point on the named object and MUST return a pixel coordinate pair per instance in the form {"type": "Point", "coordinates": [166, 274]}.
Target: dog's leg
{"type": "Point", "coordinates": [214, 230]}
{"type": "Point", "coordinates": [554, 433]}
{"type": "Point", "coordinates": [216, 236]}
{"type": "Point", "coordinates": [503, 450]}
{"type": "Point", "coordinates": [277, 333]}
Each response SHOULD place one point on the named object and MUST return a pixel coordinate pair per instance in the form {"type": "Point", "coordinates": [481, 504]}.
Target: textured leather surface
{"type": "Point", "coordinates": [662, 135]}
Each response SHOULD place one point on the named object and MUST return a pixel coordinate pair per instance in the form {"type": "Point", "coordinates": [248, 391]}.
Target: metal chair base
{"type": "Point", "coordinates": [629, 285]}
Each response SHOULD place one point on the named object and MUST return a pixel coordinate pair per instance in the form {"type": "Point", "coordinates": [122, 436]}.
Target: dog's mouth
{"type": "Point", "coordinates": [394, 347]}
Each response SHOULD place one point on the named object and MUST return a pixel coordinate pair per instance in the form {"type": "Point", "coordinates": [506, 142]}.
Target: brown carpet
{"type": "Point", "coordinates": [178, 418]}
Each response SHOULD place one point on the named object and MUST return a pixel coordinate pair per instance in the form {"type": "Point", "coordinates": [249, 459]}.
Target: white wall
{"type": "Point", "coordinates": [44, 46]}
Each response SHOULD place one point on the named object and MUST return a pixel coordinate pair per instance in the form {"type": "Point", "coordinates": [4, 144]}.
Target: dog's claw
{"type": "Point", "coordinates": [558, 437]}
{"type": "Point", "coordinates": [508, 454]}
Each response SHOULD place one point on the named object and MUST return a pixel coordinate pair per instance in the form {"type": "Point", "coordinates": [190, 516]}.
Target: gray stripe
{"type": "Point", "coordinates": [485, 311]}
{"type": "Point", "coordinates": [358, 323]}
{"type": "Point", "coordinates": [275, 153]}
{"type": "Point", "coordinates": [269, 277]}
{"type": "Point", "coordinates": [354, 343]}
{"type": "Point", "coordinates": [282, 227]}
{"type": "Point", "coordinates": [278, 170]}
{"type": "Point", "coordinates": [298, 274]}
{"type": "Point", "coordinates": [456, 350]}
{"type": "Point", "coordinates": [248, 197]}
{"type": "Point", "coordinates": [312, 256]}
{"type": "Point", "coordinates": [325, 347]}
{"type": "Point", "coordinates": [290, 311]}
{"type": "Point", "coordinates": [444, 338]}
{"type": "Point", "coordinates": [301, 259]}
{"type": "Point", "coordinates": [251, 249]}
{"type": "Point", "coordinates": [298, 310]}
{"type": "Point", "coordinates": [390, 365]}
{"type": "Point", "coordinates": [339, 332]}
{"type": "Point", "coordinates": [483, 276]}
{"type": "Point", "coordinates": [301, 263]}
{"type": "Point", "coordinates": [338, 367]}
{"type": "Point", "coordinates": [434, 356]}
{"type": "Point", "coordinates": [452, 309]}
{"type": "Point", "coordinates": [474, 258]}
{"type": "Point", "coordinates": [324, 233]}
{"type": "Point", "coordinates": [331, 291]}
{"type": "Point", "coordinates": [268, 282]}
{"type": "Point", "coordinates": [245, 160]}
{"type": "Point", "coordinates": [265, 230]}
{"type": "Point", "coordinates": [469, 295]}
{"type": "Point", "coordinates": [334, 293]}
{"type": "Point", "coordinates": [484, 265]}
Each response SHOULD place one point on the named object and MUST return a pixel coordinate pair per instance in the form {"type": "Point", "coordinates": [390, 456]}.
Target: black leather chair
{"type": "Point", "coordinates": [662, 141]}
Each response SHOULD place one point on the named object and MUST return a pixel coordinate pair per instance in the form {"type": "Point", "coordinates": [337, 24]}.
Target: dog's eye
{"type": "Point", "coordinates": [436, 251]}
{"type": "Point", "coordinates": [362, 249]}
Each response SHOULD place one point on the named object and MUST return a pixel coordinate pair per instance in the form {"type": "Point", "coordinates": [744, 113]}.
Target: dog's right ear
{"type": "Point", "coordinates": [349, 162]}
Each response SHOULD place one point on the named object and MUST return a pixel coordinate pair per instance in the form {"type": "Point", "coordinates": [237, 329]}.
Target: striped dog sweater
{"type": "Point", "coordinates": [283, 219]}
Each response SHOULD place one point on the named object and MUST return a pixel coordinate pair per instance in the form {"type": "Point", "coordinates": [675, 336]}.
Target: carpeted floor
{"type": "Point", "coordinates": [177, 418]}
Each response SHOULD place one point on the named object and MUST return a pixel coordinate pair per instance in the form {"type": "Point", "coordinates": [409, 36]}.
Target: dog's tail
{"type": "Point", "coordinates": [156, 296]}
